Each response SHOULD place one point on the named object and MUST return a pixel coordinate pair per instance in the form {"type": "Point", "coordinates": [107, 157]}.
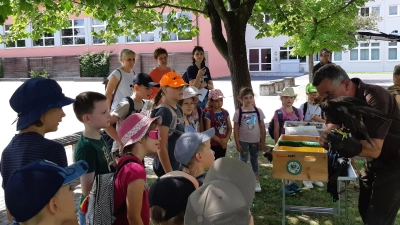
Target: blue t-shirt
{"type": "Point", "coordinates": [221, 126]}
{"type": "Point", "coordinates": [27, 147]}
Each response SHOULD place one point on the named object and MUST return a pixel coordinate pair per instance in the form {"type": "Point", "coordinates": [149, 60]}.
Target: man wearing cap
{"type": "Point", "coordinates": [379, 199]}
{"type": "Point", "coordinates": [395, 88]}
{"type": "Point", "coordinates": [142, 87]}
{"type": "Point", "coordinates": [226, 196]}
{"type": "Point", "coordinates": [41, 193]}
{"type": "Point", "coordinates": [324, 56]}
{"type": "Point", "coordinates": [38, 103]}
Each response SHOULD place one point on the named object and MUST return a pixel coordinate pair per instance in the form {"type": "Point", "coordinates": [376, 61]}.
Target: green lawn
{"type": "Point", "coordinates": [267, 208]}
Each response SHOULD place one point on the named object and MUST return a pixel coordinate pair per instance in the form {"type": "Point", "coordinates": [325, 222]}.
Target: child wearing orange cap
{"type": "Point", "coordinates": [172, 125]}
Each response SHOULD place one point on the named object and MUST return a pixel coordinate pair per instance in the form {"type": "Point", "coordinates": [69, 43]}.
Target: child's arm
{"type": "Point", "coordinates": [163, 151]}
{"type": "Point", "coordinates": [87, 183]}
{"type": "Point", "coordinates": [134, 198]}
{"type": "Point", "coordinates": [263, 134]}
{"type": "Point", "coordinates": [276, 130]}
{"type": "Point", "coordinates": [229, 132]}
{"type": "Point", "coordinates": [236, 136]}
{"type": "Point", "coordinates": [112, 132]}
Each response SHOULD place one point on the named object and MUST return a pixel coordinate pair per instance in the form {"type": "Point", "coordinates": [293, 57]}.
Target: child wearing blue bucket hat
{"type": "Point", "coordinates": [38, 103]}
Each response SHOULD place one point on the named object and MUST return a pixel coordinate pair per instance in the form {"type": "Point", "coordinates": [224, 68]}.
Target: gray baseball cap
{"type": "Point", "coordinates": [187, 144]}
{"type": "Point", "coordinates": [225, 197]}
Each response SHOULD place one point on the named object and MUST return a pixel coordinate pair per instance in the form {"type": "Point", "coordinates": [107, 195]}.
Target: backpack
{"type": "Point", "coordinates": [185, 77]}
{"type": "Point", "coordinates": [172, 126]}
{"type": "Point", "coordinates": [280, 120]}
{"type": "Point", "coordinates": [131, 105]}
{"type": "Point", "coordinates": [305, 105]}
{"type": "Point", "coordinates": [241, 113]}
{"type": "Point", "coordinates": [101, 199]}
{"type": "Point", "coordinates": [214, 123]}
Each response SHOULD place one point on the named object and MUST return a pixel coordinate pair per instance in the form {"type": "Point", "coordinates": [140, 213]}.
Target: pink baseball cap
{"type": "Point", "coordinates": [134, 127]}
{"type": "Point", "coordinates": [215, 94]}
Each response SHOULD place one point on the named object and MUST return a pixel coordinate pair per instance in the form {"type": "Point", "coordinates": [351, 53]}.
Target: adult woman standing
{"type": "Point", "coordinates": [199, 75]}
{"type": "Point", "coordinates": [119, 80]}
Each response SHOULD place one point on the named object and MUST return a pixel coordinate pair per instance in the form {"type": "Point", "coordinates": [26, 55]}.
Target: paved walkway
{"type": "Point", "coordinates": [70, 125]}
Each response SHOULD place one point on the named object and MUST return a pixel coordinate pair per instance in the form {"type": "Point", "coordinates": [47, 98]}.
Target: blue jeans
{"type": "Point", "coordinates": [203, 104]}
{"type": "Point", "coordinates": [252, 149]}
{"type": "Point", "coordinates": [81, 218]}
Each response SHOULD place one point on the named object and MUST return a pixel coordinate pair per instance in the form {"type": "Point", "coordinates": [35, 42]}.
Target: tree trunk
{"type": "Point", "coordinates": [310, 67]}
{"type": "Point", "coordinates": [237, 60]}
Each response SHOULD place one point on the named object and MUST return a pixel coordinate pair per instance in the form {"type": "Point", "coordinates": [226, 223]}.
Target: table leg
{"type": "Point", "coordinates": [283, 202]}
{"type": "Point", "coordinates": [346, 184]}
{"type": "Point", "coordinates": [338, 189]}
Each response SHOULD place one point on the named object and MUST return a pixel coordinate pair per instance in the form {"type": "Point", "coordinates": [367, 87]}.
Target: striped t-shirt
{"type": "Point", "coordinates": [27, 147]}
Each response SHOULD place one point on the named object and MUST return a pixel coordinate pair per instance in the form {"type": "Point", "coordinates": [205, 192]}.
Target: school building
{"type": "Point", "coordinates": [269, 56]}
{"type": "Point", "coordinates": [58, 53]}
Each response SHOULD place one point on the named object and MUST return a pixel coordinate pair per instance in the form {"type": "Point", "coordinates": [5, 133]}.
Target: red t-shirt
{"type": "Point", "coordinates": [156, 75]}
{"type": "Point", "coordinates": [129, 173]}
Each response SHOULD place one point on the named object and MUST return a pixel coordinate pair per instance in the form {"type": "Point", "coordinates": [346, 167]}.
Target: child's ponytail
{"type": "Point", "coordinates": [157, 98]}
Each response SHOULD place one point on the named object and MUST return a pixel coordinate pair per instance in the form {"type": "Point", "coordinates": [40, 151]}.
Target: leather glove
{"type": "Point", "coordinates": [345, 146]}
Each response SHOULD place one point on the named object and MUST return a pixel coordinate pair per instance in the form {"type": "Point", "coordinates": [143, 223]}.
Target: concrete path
{"type": "Point", "coordinates": [70, 124]}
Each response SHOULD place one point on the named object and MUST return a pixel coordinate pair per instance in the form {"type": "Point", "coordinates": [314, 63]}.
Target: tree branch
{"type": "Point", "coordinates": [216, 29]}
{"type": "Point", "coordinates": [246, 9]}
{"type": "Point", "coordinates": [163, 5]}
{"type": "Point", "coordinates": [220, 9]}
{"type": "Point", "coordinates": [338, 11]}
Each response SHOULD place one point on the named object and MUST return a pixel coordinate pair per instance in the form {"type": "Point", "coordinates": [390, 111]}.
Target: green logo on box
{"type": "Point", "coordinates": [293, 167]}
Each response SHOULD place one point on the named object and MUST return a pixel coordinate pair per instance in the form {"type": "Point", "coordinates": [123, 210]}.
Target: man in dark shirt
{"type": "Point", "coordinates": [324, 56]}
{"type": "Point", "coordinates": [395, 88]}
{"type": "Point", "coordinates": [379, 199]}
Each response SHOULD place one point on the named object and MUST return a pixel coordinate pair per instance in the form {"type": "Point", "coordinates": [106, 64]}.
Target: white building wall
{"type": "Point", "coordinates": [388, 24]}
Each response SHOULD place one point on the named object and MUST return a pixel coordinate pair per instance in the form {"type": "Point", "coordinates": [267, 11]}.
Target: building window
{"type": "Point", "coordinates": [337, 56]}
{"type": "Point", "coordinates": [174, 36]}
{"type": "Point", "coordinates": [45, 40]}
{"type": "Point", "coordinates": [97, 26]}
{"type": "Point", "coordinates": [74, 34]}
{"type": "Point", "coordinates": [259, 59]}
{"type": "Point", "coordinates": [143, 37]}
{"type": "Point", "coordinates": [365, 51]}
{"type": "Point", "coordinates": [367, 11]}
{"type": "Point", "coordinates": [284, 53]}
{"type": "Point", "coordinates": [393, 10]}
{"type": "Point", "coordinates": [13, 44]}
{"type": "Point", "coordinates": [267, 19]}
{"type": "Point", "coordinates": [393, 51]}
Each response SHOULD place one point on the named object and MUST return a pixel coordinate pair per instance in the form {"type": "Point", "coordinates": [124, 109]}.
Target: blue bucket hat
{"type": "Point", "coordinates": [34, 98]}
{"type": "Point", "coordinates": [29, 189]}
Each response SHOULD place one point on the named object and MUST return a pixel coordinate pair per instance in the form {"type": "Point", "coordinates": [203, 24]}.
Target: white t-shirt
{"type": "Point", "coordinates": [311, 109]}
{"type": "Point", "coordinates": [124, 88]}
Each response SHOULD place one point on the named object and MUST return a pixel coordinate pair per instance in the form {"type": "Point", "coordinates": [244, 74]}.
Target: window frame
{"type": "Point", "coordinates": [93, 25]}
{"type": "Point", "coordinates": [370, 10]}
{"type": "Point", "coordinates": [398, 10]}
{"type": "Point", "coordinates": [287, 50]}
{"type": "Point", "coordinates": [73, 33]}
{"type": "Point", "coordinates": [6, 28]}
{"type": "Point", "coordinates": [369, 48]}
{"type": "Point", "coordinates": [397, 48]}
{"type": "Point", "coordinates": [132, 41]}
{"type": "Point", "coordinates": [178, 14]}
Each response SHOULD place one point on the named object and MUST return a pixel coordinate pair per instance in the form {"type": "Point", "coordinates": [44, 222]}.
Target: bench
{"type": "Point", "coordinates": [71, 139]}
{"type": "Point", "coordinates": [279, 84]}
{"type": "Point", "coordinates": [267, 88]}
{"type": "Point", "coordinates": [289, 81]}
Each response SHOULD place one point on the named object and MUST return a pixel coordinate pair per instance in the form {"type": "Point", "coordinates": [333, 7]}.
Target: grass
{"type": "Point", "coordinates": [267, 208]}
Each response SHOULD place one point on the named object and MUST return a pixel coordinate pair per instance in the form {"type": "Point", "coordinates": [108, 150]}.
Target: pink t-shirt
{"type": "Point", "coordinates": [129, 173]}
{"type": "Point", "coordinates": [288, 117]}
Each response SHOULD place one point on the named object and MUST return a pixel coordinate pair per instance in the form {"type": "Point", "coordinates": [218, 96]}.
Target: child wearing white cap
{"type": "Point", "coordinates": [193, 152]}
{"type": "Point", "coordinates": [190, 113]}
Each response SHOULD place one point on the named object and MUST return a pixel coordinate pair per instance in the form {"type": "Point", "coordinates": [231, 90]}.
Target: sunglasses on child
{"type": "Point", "coordinates": [154, 134]}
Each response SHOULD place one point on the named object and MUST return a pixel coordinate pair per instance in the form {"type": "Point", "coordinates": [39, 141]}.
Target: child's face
{"type": "Point", "coordinates": [162, 60]}
{"type": "Point", "coordinates": [207, 155]}
{"type": "Point", "coordinates": [128, 61]}
{"type": "Point", "coordinates": [188, 106]}
{"type": "Point", "coordinates": [198, 56]}
{"type": "Point", "coordinates": [217, 104]}
{"type": "Point", "coordinates": [52, 119]}
{"type": "Point", "coordinates": [174, 93]}
{"type": "Point", "coordinates": [248, 100]}
{"type": "Point", "coordinates": [287, 100]}
{"type": "Point", "coordinates": [312, 95]}
{"type": "Point", "coordinates": [152, 141]}
{"type": "Point", "coordinates": [143, 92]}
{"type": "Point", "coordinates": [100, 117]}
{"type": "Point", "coordinates": [64, 201]}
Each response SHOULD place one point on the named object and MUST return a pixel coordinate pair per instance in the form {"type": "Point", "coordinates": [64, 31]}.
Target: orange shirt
{"type": "Point", "coordinates": [156, 75]}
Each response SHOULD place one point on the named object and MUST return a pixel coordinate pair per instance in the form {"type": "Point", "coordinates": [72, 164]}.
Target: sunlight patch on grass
{"type": "Point", "coordinates": [328, 222]}
{"type": "Point", "coordinates": [268, 165]}
{"type": "Point", "coordinates": [292, 220]}
{"type": "Point", "coordinates": [307, 219]}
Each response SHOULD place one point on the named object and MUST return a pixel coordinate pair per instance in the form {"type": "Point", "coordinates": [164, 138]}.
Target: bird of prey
{"type": "Point", "coordinates": [350, 112]}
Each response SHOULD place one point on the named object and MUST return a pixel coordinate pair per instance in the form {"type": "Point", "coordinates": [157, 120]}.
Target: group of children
{"type": "Point", "coordinates": [172, 127]}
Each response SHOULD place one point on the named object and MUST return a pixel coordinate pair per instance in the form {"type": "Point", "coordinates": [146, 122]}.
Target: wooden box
{"type": "Point", "coordinates": [300, 163]}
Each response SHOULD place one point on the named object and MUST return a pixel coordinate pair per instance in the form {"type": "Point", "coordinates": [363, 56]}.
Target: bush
{"type": "Point", "coordinates": [39, 73]}
{"type": "Point", "coordinates": [1, 68]}
{"type": "Point", "coordinates": [95, 64]}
